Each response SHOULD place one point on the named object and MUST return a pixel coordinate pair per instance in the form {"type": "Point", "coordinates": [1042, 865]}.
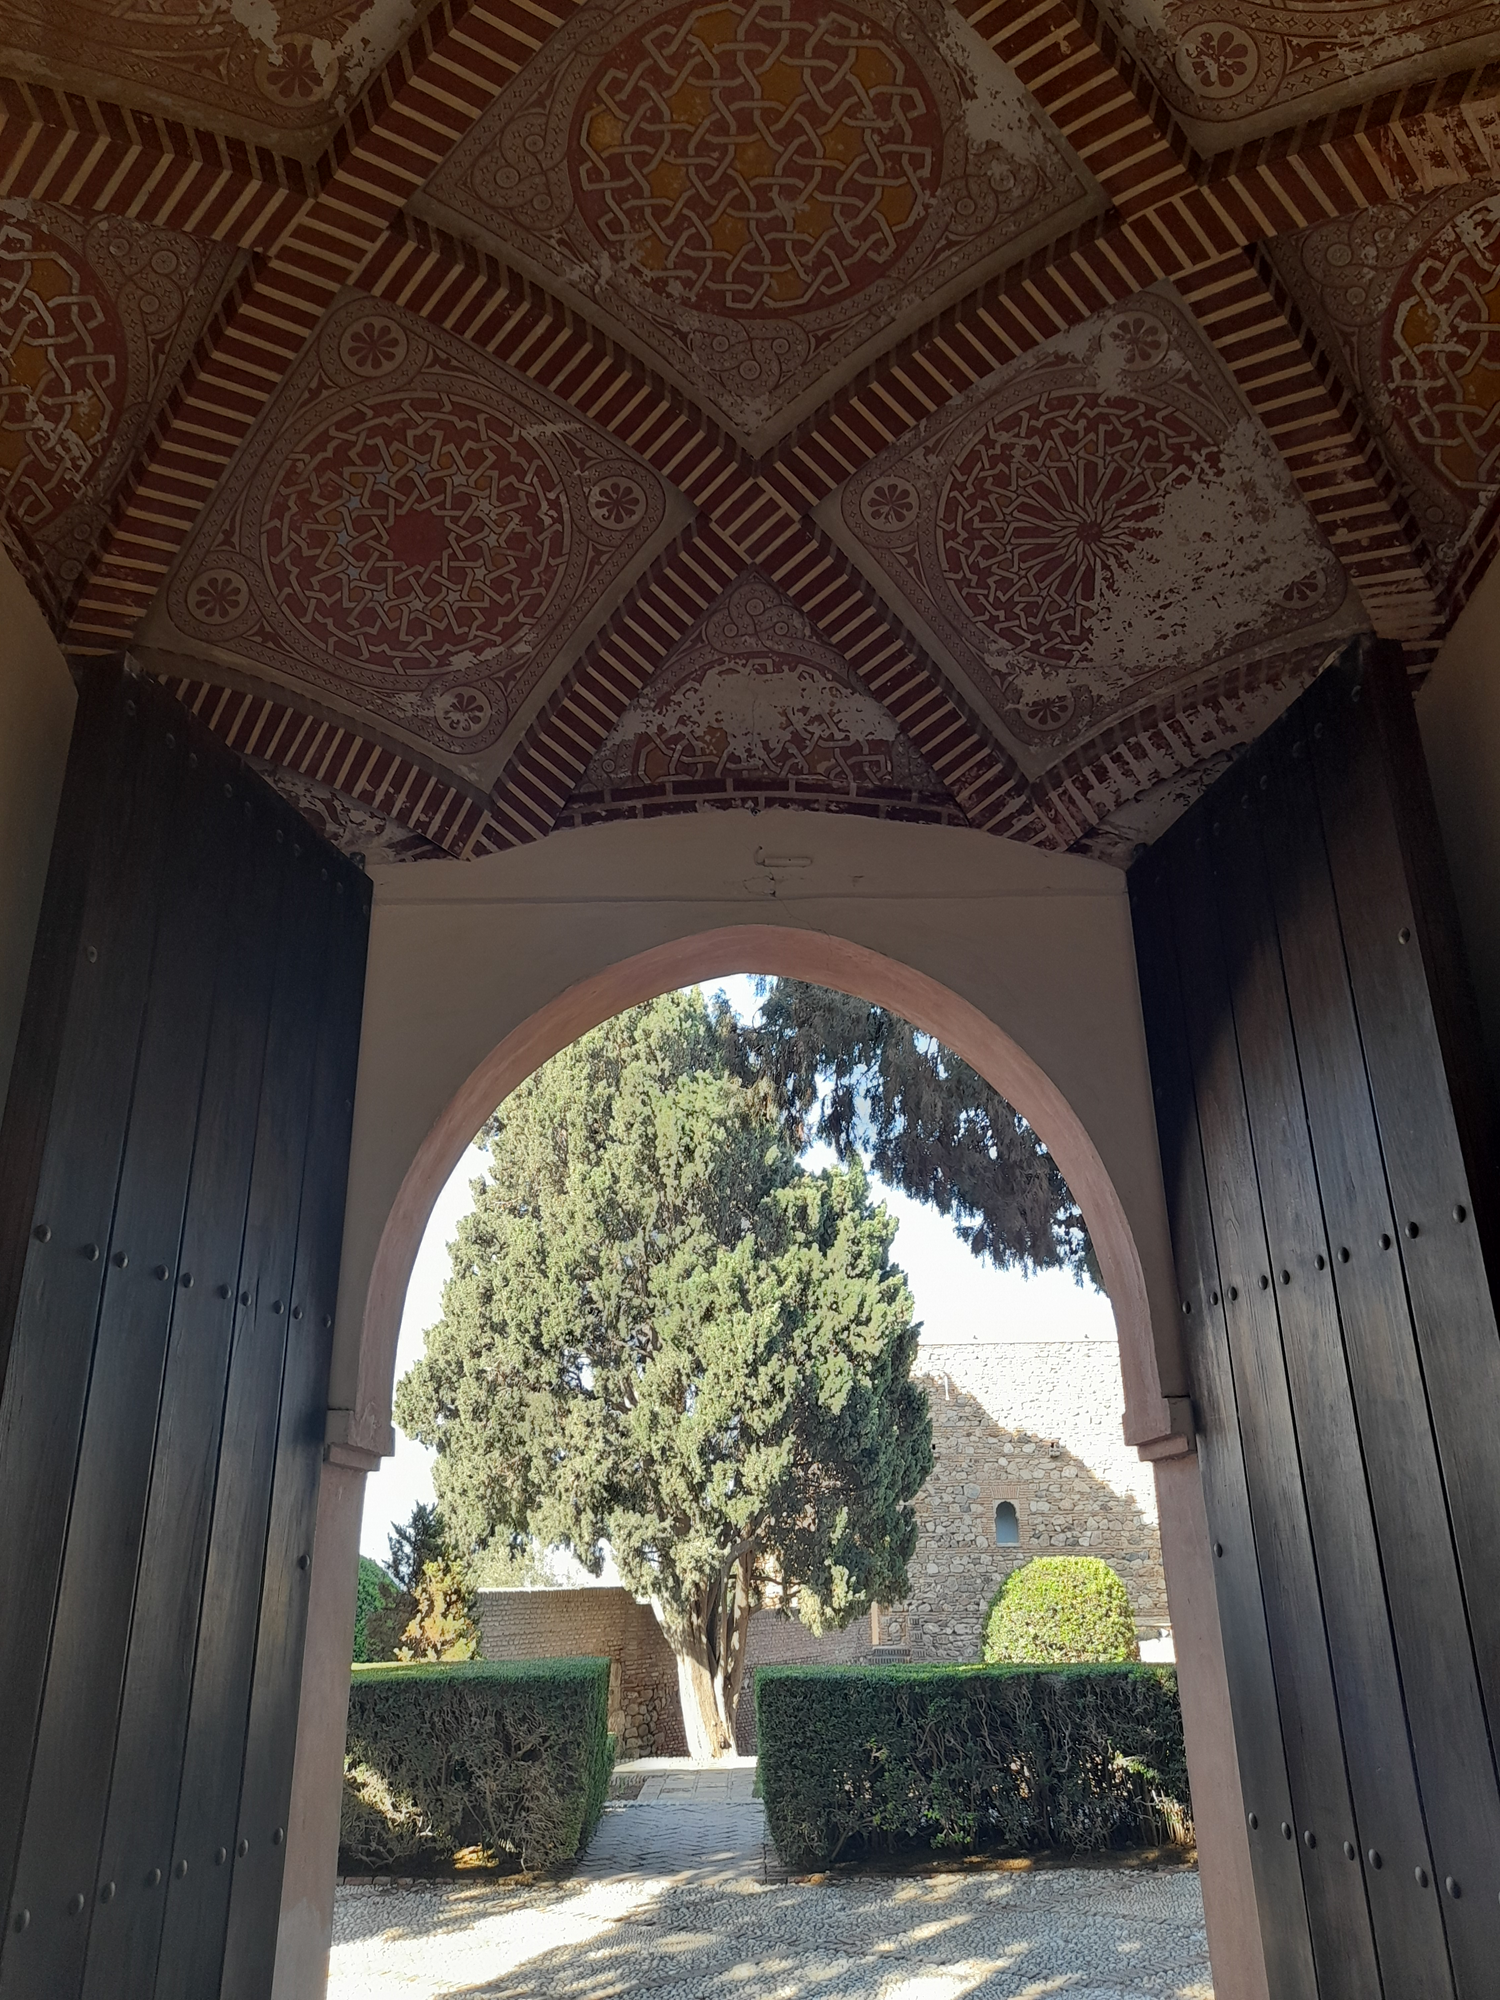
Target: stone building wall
{"type": "Point", "coordinates": [644, 1711]}
{"type": "Point", "coordinates": [1036, 1423]}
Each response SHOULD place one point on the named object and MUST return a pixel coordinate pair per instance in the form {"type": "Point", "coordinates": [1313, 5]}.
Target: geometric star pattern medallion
{"type": "Point", "coordinates": [1409, 297]}
{"type": "Point", "coordinates": [1100, 525]}
{"type": "Point", "coordinates": [411, 528]}
{"type": "Point", "coordinates": [98, 317]}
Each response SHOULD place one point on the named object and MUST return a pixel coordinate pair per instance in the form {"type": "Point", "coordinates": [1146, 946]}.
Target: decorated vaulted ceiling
{"type": "Point", "coordinates": [504, 417]}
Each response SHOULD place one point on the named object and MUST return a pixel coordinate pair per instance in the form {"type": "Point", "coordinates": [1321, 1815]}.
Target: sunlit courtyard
{"type": "Point", "coordinates": [1092, 1935]}
{"type": "Point", "coordinates": [680, 1897]}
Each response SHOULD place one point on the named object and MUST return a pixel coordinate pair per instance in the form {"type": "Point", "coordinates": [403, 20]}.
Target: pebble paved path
{"type": "Point", "coordinates": [672, 1902]}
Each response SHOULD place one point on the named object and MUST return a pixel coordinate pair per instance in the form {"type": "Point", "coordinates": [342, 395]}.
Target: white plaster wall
{"type": "Point", "coordinates": [37, 700]}
{"type": "Point", "coordinates": [462, 955]}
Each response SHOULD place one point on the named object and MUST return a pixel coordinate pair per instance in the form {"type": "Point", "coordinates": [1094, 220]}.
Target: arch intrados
{"type": "Point", "coordinates": [776, 951]}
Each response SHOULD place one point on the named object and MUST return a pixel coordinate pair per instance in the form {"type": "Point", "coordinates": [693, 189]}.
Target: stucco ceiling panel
{"type": "Point", "coordinates": [1100, 526]}
{"type": "Point", "coordinates": [98, 316]}
{"type": "Point", "coordinates": [284, 73]}
{"type": "Point", "coordinates": [758, 194]}
{"type": "Point", "coordinates": [1234, 71]}
{"type": "Point", "coordinates": [418, 533]}
{"type": "Point", "coordinates": [752, 707]}
{"type": "Point", "coordinates": [1408, 295]}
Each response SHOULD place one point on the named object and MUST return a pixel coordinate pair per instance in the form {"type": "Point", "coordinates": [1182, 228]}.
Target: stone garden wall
{"type": "Point", "coordinates": [1030, 1422]}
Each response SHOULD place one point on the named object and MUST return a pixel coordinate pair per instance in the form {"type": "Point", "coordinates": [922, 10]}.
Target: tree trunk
{"type": "Point", "coordinates": [702, 1718]}
{"type": "Point", "coordinates": [711, 1663]}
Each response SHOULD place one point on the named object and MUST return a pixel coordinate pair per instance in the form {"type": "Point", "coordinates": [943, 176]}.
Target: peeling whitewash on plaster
{"type": "Point", "coordinates": [1230, 524]}
{"type": "Point", "coordinates": [997, 109]}
{"type": "Point", "coordinates": [349, 61]}
{"type": "Point", "coordinates": [260, 21]}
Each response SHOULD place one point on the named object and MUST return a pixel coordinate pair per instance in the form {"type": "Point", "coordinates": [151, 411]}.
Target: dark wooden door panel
{"type": "Point", "coordinates": [271, 1738]}
{"type": "Point", "coordinates": [1296, 957]}
{"type": "Point", "coordinates": [1323, 1817]}
{"type": "Point", "coordinates": [213, 1769]}
{"type": "Point", "coordinates": [171, 1201]}
{"type": "Point", "coordinates": [1285, 1933]}
{"type": "Point", "coordinates": [1387, 1804]}
{"type": "Point", "coordinates": [82, 1116]}
{"type": "Point", "coordinates": [126, 1932]}
{"type": "Point", "coordinates": [76, 1736]}
{"type": "Point", "coordinates": [1388, 941]}
{"type": "Point", "coordinates": [1445, 1716]}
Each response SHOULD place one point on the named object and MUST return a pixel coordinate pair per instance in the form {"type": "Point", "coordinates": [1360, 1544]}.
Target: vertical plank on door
{"type": "Point", "coordinates": [1387, 1802]}
{"type": "Point", "coordinates": [1285, 1931]}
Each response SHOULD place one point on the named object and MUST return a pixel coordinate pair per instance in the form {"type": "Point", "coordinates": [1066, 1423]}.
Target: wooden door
{"type": "Point", "coordinates": [172, 1169]}
{"type": "Point", "coordinates": [1328, 1154]}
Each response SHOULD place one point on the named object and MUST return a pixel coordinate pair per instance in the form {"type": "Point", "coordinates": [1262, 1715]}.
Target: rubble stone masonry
{"type": "Point", "coordinates": [1036, 1423]}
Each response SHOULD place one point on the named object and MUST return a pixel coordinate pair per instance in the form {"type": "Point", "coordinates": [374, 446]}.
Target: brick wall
{"type": "Point", "coordinates": [644, 1711]}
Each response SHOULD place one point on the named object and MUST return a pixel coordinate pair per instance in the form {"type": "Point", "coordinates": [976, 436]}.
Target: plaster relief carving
{"type": "Point", "coordinates": [752, 705]}
{"type": "Point", "coordinates": [1100, 526]}
{"type": "Point", "coordinates": [1256, 68]}
{"type": "Point", "coordinates": [414, 529]}
{"type": "Point", "coordinates": [755, 192]}
{"type": "Point", "coordinates": [1409, 294]}
{"type": "Point", "coordinates": [285, 72]}
{"type": "Point", "coordinates": [98, 316]}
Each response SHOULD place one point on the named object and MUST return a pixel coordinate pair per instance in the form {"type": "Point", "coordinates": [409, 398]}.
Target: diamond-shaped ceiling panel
{"type": "Point", "coordinates": [758, 197]}
{"type": "Point", "coordinates": [1101, 526]}
{"type": "Point", "coordinates": [416, 531]}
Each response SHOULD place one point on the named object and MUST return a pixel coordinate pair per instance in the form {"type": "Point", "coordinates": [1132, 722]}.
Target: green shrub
{"type": "Point", "coordinates": [1058, 1609]}
{"type": "Point", "coordinates": [512, 1756]}
{"type": "Point", "coordinates": [1076, 1757]}
{"type": "Point", "coordinates": [375, 1589]}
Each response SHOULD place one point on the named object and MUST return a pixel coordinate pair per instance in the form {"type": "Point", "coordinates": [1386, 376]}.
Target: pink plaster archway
{"type": "Point", "coordinates": [822, 960]}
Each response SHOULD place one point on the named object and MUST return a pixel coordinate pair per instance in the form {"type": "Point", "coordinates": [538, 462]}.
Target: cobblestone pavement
{"type": "Point", "coordinates": [671, 1903]}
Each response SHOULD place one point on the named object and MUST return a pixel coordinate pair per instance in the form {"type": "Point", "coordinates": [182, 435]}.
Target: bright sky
{"type": "Point", "coordinates": [957, 1296]}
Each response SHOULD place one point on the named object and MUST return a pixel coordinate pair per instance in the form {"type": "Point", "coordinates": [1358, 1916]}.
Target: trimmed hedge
{"type": "Point", "coordinates": [511, 1756]}
{"type": "Point", "coordinates": [1076, 1757]}
{"type": "Point", "coordinates": [1056, 1609]}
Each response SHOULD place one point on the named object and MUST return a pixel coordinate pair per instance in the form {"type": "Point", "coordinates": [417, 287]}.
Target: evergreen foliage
{"type": "Point", "coordinates": [441, 1626]}
{"type": "Point", "coordinates": [510, 1756]}
{"type": "Point", "coordinates": [423, 1540]}
{"type": "Point", "coordinates": [1061, 1608]}
{"type": "Point", "coordinates": [869, 1083]}
{"type": "Point", "coordinates": [663, 1333]}
{"type": "Point", "coordinates": [374, 1591]}
{"type": "Point", "coordinates": [1075, 1758]}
